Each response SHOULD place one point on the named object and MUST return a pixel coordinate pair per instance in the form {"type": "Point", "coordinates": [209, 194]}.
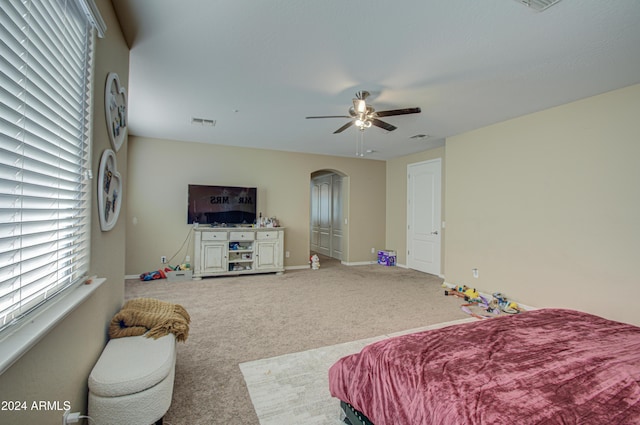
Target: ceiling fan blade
{"type": "Point", "coordinates": [330, 116]}
{"type": "Point", "coordinates": [343, 128]}
{"type": "Point", "coordinates": [383, 124]}
{"type": "Point", "coordinates": [404, 111]}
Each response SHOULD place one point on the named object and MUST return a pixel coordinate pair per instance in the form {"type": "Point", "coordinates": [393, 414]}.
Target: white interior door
{"type": "Point", "coordinates": [327, 227]}
{"type": "Point", "coordinates": [324, 227]}
{"type": "Point", "coordinates": [315, 216]}
{"type": "Point", "coordinates": [337, 229]}
{"type": "Point", "coordinates": [321, 215]}
{"type": "Point", "coordinates": [423, 216]}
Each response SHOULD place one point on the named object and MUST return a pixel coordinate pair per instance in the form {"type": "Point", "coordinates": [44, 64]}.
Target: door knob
{"type": "Point", "coordinates": [434, 233]}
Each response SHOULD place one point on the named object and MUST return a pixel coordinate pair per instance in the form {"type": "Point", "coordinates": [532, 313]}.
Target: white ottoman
{"type": "Point", "coordinates": [132, 382]}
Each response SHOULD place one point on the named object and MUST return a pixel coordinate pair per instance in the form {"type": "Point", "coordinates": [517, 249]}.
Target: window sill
{"type": "Point", "coordinates": [17, 343]}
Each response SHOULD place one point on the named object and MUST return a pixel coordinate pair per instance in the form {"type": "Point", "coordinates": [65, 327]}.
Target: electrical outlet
{"type": "Point", "coordinates": [163, 259]}
{"type": "Point", "coordinates": [286, 254]}
{"type": "Point", "coordinates": [475, 273]}
{"type": "Point", "coordinates": [187, 258]}
{"type": "Point", "coordinates": [373, 250]}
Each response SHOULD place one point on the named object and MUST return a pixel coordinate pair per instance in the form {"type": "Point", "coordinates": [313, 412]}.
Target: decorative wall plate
{"type": "Point", "coordinates": [115, 109]}
{"type": "Point", "coordinates": [109, 191]}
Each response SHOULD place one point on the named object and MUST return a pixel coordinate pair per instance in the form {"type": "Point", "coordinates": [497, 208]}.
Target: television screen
{"type": "Point", "coordinates": [221, 205]}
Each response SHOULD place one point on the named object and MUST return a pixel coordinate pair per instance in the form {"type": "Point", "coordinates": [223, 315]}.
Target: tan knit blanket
{"type": "Point", "coordinates": [152, 317]}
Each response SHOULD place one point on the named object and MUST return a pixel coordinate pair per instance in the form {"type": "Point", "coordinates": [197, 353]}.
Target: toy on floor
{"type": "Point", "coordinates": [479, 310]}
{"type": "Point", "coordinates": [315, 262]}
{"type": "Point", "coordinates": [156, 274]}
{"type": "Point", "coordinates": [465, 292]}
{"type": "Point", "coordinates": [457, 291]}
{"type": "Point", "coordinates": [478, 306]}
{"type": "Point", "coordinates": [501, 302]}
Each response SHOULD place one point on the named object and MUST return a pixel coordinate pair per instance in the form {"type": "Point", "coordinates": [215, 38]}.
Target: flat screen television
{"type": "Point", "coordinates": [221, 205]}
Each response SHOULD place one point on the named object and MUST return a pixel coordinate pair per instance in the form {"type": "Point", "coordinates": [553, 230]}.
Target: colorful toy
{"type": "Point", "coordinates": [315, 262]}
{"type": "Point", "coordinates": [474, 301]}
{"type": "Point", "coordinates": [157, 274]}
{"type": "Point", "coordinates": [457, 291]}
{"type": "Point", "coordinates": [484, 313]}
{"type": "Point", "coordinates": [501, 302]}
{"type": "Point", "coordinates": [471, 294]}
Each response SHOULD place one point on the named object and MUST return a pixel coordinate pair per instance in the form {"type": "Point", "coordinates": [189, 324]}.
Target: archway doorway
{"type": "Point", "coordinates": [328, 218]}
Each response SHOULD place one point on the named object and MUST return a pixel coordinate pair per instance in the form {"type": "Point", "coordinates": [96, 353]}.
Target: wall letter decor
{"type": "Point", "coordinates": [115, 108]}
{"type": "Point", "coordinates": [109, 191]}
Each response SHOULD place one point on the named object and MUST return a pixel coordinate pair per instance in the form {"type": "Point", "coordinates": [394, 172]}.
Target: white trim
{"type": "Point", "coordinates": [358, 263]}
{"type": "Point", "coordinates": [137, 276]}
{"type": "Point", "coordinates": [307, 266]}
{"type": "Point", "coordinates": [17, 342]}
{"type": "Point", "coordinates": [93, 15]}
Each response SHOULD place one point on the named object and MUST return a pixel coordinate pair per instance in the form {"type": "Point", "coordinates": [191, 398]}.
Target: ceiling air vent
{"type": "Point", "coordinates": [203, 122]}
{"type": "Point", "coordinates": [419, 136]}
{"type": "Point", "coordinates": [538, 5]}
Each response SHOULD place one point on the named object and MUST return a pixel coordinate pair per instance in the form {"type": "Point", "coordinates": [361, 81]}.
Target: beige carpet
{"type": "Point", "coordinates": [246, 318]}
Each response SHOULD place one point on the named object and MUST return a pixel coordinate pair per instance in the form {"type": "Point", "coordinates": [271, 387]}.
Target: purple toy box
{"type": "Point", "coordinates": [387, 258]}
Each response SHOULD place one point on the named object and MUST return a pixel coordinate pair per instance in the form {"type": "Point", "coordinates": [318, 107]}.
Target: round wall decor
{"type": "Point", "coordinates": [109, 191]}
{"type": "Point", "coordinates": [115, 108]}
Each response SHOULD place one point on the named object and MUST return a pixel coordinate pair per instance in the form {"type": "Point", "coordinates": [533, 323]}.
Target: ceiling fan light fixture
{"type": "Point", "coordinates": [360, 106]}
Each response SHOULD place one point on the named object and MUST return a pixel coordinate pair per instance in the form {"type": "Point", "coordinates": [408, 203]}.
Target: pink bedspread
{"type": "Point", "coordinates": [548, 366]}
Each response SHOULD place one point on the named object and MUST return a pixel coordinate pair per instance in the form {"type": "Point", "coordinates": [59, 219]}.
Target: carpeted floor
{"type": "Point", "coordinates": [246, 318]}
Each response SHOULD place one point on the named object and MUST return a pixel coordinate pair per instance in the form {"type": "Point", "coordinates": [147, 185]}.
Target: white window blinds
{"type": "Point", "coordinates": [45, 67]}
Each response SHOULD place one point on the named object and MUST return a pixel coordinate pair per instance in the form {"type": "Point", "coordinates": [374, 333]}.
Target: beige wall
{"type": "Point", "coordinates": [547, 206]}
{"type": "Point", "coordinates": [396, 232]}
{"type": "Point", "coordinates": [57, 368]}
{"type": "Point", "coordinates": [160, 171]}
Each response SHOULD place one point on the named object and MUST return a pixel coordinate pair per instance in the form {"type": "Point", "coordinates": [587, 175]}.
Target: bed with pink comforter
{"type": "Point", "coordinates": [549, 366]}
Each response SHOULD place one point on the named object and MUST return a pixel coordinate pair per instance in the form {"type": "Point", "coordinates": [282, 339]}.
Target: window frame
{"type": "Point", "coordinates": [21, 328]}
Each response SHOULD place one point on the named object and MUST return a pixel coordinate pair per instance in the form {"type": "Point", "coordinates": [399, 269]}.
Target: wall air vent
{"type": "Point", "coordinates": [538, 5]}
{"type": "Point", "coordinates": [203, 122]}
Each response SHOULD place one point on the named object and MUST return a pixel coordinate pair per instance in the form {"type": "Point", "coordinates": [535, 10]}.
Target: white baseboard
{"type": "Point", "coordinates": [137, 276]}
{"type": "Point", "coordinates": [306, 266]}
{"type": "Point", "coordinates": [358, 263]}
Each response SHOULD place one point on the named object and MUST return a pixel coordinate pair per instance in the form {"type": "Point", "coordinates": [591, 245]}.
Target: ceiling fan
{"type": "Point", "coordinates": [364, 116]}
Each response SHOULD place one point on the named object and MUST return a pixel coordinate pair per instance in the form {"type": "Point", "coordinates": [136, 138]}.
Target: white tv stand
{"type": "Point", "coordinates": [221, 251]}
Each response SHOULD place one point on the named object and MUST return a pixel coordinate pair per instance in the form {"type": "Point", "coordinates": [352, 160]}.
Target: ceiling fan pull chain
{"type": "Point", "coordinates": [360, 143]}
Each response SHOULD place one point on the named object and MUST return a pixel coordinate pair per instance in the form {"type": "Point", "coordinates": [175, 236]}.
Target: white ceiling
{"type": "Point", "coordinates": [258, 68]}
